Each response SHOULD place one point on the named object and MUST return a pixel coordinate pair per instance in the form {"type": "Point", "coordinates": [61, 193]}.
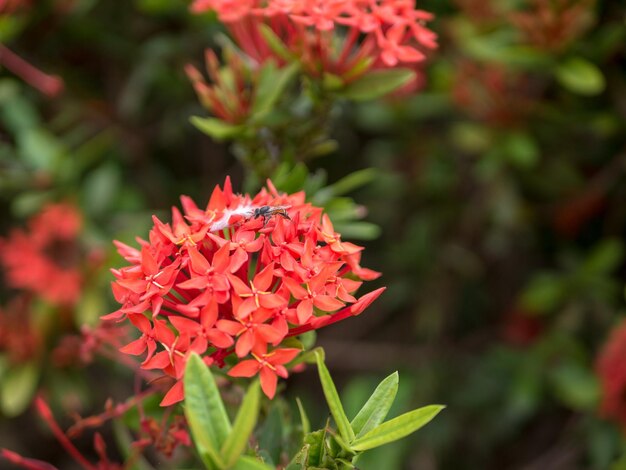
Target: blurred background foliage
{"type": "Point", "coordinates": [492, 201]}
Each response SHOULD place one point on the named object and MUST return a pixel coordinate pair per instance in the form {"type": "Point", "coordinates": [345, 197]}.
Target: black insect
{"type": "Point", "coordinates": [267, 212]}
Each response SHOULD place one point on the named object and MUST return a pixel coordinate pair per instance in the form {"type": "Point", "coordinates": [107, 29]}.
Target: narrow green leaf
{"type": "Point", "coordinates": [246, 462]}
{"type": "Point", "coordinates": [18, 387]}
{"type": "Point", "coordinates": [334, 403]}
{"type": "Point", "coordinates": [397, 428]}
{"type": "Point", "coordinates": [216, 128]}
{"type": "Point", "coordinates": [276, 44]}
{"type": "Point", "coordinates": [377, 406]}
{"type": "Point", "coordinates": [377, 83]}
{"type": "Point", "coordinates": [354, 180]}
{"type": "Point", "coordinates": [205, 410]}
{"type": "Point", "coordinates": [306, 426]}
{"type": "Point", "coordinates": [272, 84]}
{"type": "Point", "coordinates": [244, 425]}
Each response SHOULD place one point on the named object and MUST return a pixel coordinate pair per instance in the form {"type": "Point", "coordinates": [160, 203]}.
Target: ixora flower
{"type": "Point", "coordinates": [612, 373]}
{"type": "Point", "coordinates": [375, 33]}
{"type": "Point", "coordinates": [44, 259]}
{"type": "Point", "coordinates": [232, 281]}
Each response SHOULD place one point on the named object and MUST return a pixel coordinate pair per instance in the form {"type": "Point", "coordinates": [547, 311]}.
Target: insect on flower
{"type": "Point", "coordinates": [268, 212]}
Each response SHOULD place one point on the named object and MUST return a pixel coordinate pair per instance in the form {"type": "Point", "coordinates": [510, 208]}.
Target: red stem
{"type": "Point", "coordinates": [49, 85]}
{"type": "Point", "coordinates": [46, 414]}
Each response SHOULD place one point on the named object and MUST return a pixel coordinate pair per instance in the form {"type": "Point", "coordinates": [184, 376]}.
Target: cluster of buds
{"type": "Point", "coordinates": [232, 281]}
{"type": "Point", "coordinates": [343, 38]}
{"type": "Point", "coordinates": [492, 93]}
{"type": "Point", "coordinates": [554, 25]}
{"type": "Point", "coordinates": [229, 100]}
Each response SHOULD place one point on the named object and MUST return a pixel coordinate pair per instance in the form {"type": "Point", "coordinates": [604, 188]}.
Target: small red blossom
{"type": "Point", "coordinates": [44, 259]}
{"type": "Point", "coordinates": [268, 365]}
{"type": "Point", "coordinates": [343, 37]}
{"type": "Point", "coordinates": [612, 374]}
{"type": "Point", "coordinates": [220, 282]}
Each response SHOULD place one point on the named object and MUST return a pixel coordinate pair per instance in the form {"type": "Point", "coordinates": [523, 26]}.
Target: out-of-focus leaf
{"type": "Point", "coordinates": [377, 83]}
{"type": "Point", "coordinates": [250, 463]}
{"type": "Point", "coordinates": [334, 402]}
{"type": "Point", "coordinates": [397, 428]}
{"type": "Point", "coordinates": [270, 434]}
{"type": "Point", "coordinates": [544, 293]}
{"type": "Point", "coordinates": [359, 230]}
{"type": "Point", "coordinates": [40, 148]}
{"type": "Point", "coordinates": [101, 189]}
{"type": "Point", "coordinates": [276, 44]}
{"type": "Point", "coordinates": [377, 406]}
{"type": "Point", "coordinates": [28, 203]}
{"type": "Point", "coordinates": [521, 150]}
{"type": "Point", "coordinates": [16, 112]}
{"type": "Point", "coordinates": [90, 308]}
{"type": "Point", "coordinates": [216, 128]}
{"type": "Point", "coordinates": [580, 76]}
{"type": "Point", "coordinates": [272, 84]}
{"type": "Point", "coordinates": [243, 426]}
{"type": "Point", "coordinates": [575, 386]}
{"type": "Point", "coordinates": [17, 388]}
{"type": "Point", "coordinates": [604, 258]}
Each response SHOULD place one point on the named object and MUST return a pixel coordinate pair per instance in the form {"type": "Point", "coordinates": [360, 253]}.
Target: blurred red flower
{"type": "Point", "coordinates": [233, 281]}
{"type": "Point", "coordinates": [44, 258]}
{"type": "Point", "coordinates": [379, 33]}
{"type": "Point", "coordinates": [612, 373]}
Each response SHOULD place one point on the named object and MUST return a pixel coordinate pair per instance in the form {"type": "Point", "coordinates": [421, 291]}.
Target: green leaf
{"type": "Point", "coordinates": [334, 403]}
{"type": "Point", "coordinates": [100, 188]}
{"type": "Point", "coordinates": [544, 293]}
{"type": "Point", "coordinates": [306, 425]}
{"type": "Point", "coordinates": [205, 410]}
{"type": "Point", "coordinates": [244, 425]}
{"type": "Point", "coordinates": [580, 76]}
{"type": "Point", "coordinates": [377, 83]}
{"type": "Point", "coordinates": [40, 148]}
{"type": "Point", "coordinates": [358, 230]}
{"type": "Point", "coordinates": [17, 388]}
{"type": "Point", "coordinates": [246, 462]}
{"type": "Point", "coordinates": [271, 85]}
{"type": "Point", "coordinates": [576, 386]}
{"type": "Point", "coordinates": [604, 258]}
{"type": "Point", "coordinates": [377, 406]}
{"type": "Point", "coordinates": [216, 128]}
{"type": "Point", "coordinates": [397, 428]}
{"type": "Point", "coordinates": [276, 44]}
{"type": "Point", "coordinates": [353, 181]}
{"type": "Point", "coordinates": [315, 450]}
{"type": "Point", "coordinates": [299, 462]}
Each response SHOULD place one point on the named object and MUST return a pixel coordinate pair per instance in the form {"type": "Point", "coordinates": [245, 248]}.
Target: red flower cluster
{"type": "Point", "coordinates": [378, 32]}
{"type": "Point", "coordinates": [44, 259]}
{"type": "Point", "coordinates": [612, 373]}
{"type": "Point", "coordinates": [234, 280]}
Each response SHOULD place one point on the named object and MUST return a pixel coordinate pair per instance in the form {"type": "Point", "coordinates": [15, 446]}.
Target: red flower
{"type": "Point", "coordinates": [371, 33]}
{"type": "Point", "coordinates": [224, 278]}
{"type": "Point", "coordinates": [45, 258]}
{"type": "Point", "coordinates": [269, 365]}
{"type": "Point", "coordinates": [612, 373]}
